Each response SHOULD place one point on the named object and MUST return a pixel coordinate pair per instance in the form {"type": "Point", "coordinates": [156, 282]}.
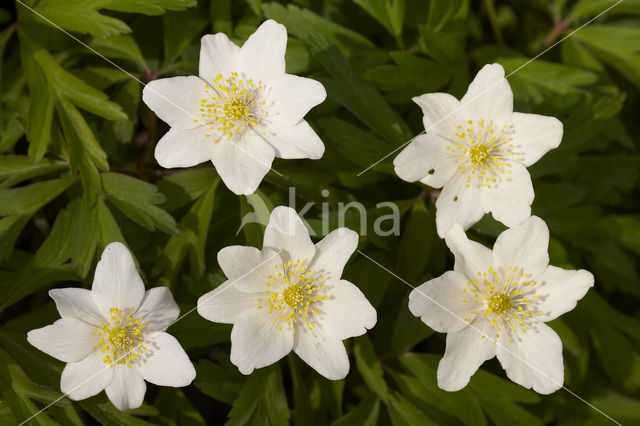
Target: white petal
{"type": "Point", "coordinates": [458, 204]}
{"type": "Point", "coordinates": [226, 303]}
{"type": "Point", "coordinates": [293, 97]}
{"type": "Point", "coordinates": [87, 377]}
{"type": "Point", "coordinates": [165, 363]}
{"type": "Point", "coordinates": [489, 95]}
{"type": "Point", "coordinates": [256, 276]}
{"type": "Point", "coordinates": [470, 257]}
{"type": "Point", "coordinates": [287, 232]}
{"type": "Point", "coordinates": [67, 339]}
{"type": "Point", "coordinates": [323, 353]}
{"type": "Point", "coordinates": [176, 100]}
{"type": "Point", "coordinates": [347, 313]}
{"type": "Point", "coordinates": [442, 113]}
{"type": "Point", "coordinates": [466, 351]}
{"type": "Point", "coordinates": [533, 359]}
{"type": "Point", "coordinates": [333, 253]}
{"type": "Point", "coordinates": [116, 283]}
{"type": "Point", "coordinates": [77, 303]}
{"type": "Point", "coordinates": [256, 341]}
{"type": "Point", "coordinates": [510, 202]}
{"type": "Point", "coordinates": [426, 159]}
{"type": "Point", "coordinates": [243, 162]}
{"type": "Point", "coordinates": [442, 304]}
{"type": "Point", "coordinates": [127, 388]}
{"type": "Point", "coordinates": [560, 290]}
{"type": "Point", "coordinates": [236, 261]}
{"type": "Point", "coordinates": [534, 136]}
{"type": "Point", "coordinates": [158, 309]}
{"type": "Point", "coordinates": [293, 141]}
{"type": "Point", "coordinates": [262, 55]}
{"type": "Point", "coordinates": [185, 148]}
{"type": "Point", "coordinates": [218, 55]}
{"type": "Point", "coordinates": [525, 247]}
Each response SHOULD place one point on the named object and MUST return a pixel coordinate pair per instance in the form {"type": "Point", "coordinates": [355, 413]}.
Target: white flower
{"type": "Point", "coordinates": [240, 113]}
{"type": "Point", "coordinates": [290, 296]}
{"type": "Point", "coordinates": [112, 336]}
{"type": "Point", "coordinates": [495, 303]}
{"type": "Point", "coordinates": [478, 150]}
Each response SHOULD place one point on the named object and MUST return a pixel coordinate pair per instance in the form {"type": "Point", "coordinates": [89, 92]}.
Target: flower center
{"type": "Point", "coordinates": [499, 303]}
{"type": "Point", "coordinates": [235, 105]}
{"type": "Point", "coordinates": [479, 155]}
{"type": "Point", "coordinates": [297, 304]}
{"type": "Point", "coordinates": [293, 295]}
{"type": "Point", "coordinates": [482, 150]}
{"type": "Point", "coordinates": [504, 298]}
{"type": "Point", "coordinates": [121, 337]}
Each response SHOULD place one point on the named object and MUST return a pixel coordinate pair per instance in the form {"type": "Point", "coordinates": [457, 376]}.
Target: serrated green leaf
{"type": "Point", "coordinates": [138, 200]}
{"type": "Point", "coordinates": [192, 237]}
{"type": "Point", "coordinates": [30, 198]}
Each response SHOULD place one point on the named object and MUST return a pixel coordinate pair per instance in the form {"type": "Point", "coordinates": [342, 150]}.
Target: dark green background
{"type": "Point", "coordinates": [77, 172]}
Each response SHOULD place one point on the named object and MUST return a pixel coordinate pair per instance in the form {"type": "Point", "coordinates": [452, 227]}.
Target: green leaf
{"type": "Point", "coordinates": [138, 200]}
{"type": "Point", "coordinates": [177, 35]}
{"type": "Point", "coordinates": [261, 396]}
{"type": "Point", "coordinates": [363, 100]}
{"type": "Point", "coordinates": [63, 83]}
{"type": "Point", "coordinates": [370, 368]}
{"type": "Point", "coordinates": [535, 81]}
{"type": "Point", "coordinates": [41, 103]}
{"type": "Point", "coordinates": [175, 409]}
{"type": "Point", "coordinates": [218, 382]}
{"type": "Point", "coordinates": [356, 145]}
{"type": "Point", "coordinates": [84, 17]}
{"type": "Point", "coordinates": [193, 228]}
{"type": "Point", "coordinates": [28, 199]}
{"type": "Point", "coordinates": [407, 77]}
{"type": "Point", "coordinates": [16, 168]}
{"type": "Point", "coordinates": [417, 237]}
{"type": "Point", "coordinates": [585, 8]}
{"type": "Point", "coordinates": [255, 210]}
{"type": "Point", "coordinates": [120, 46]}
{"type": "Point", "coordinates": [85, 237]}
{"type": "Point", "coordinates": [56, 249]}
{"type": "Point", "coordinates": [183, 187]}
{"type": "Point", "coordinates": [390, 13]}
{"type": "Point", "coordinates": [403, 413]}
{"type": "Point", "coordinates": [365, 414]}
{"type": "Point", "coordinates": [305, 24]}
{"type": "Point", "coordinates": [17, 390]}
{"type": "Point", "coordinates": [615, 45]}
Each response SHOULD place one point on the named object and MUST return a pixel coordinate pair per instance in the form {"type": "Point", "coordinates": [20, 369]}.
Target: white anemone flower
{"type": "Point", "coordinates": [496, 303]}
{"type": "Point", "coordinates": [241, 112]}
{"type": "Point", "coordinates": [477, 149]}
{"type": "Point", "coordinates": [290, 296]}
{"type": "Point", "coordinates": [112, 336]}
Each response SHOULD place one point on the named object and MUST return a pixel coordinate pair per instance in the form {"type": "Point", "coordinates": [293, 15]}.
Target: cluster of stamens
{"type": "Point", "coordinates": [234, 105]}
{"type": "Point", "coordinates": [297, 304]}
{"type": "Point", "coordinates": [505, 299]}
{"type": "Point", "coordinates": [121, 339]}
{"type": "Point", "coordinates": [482, 150]}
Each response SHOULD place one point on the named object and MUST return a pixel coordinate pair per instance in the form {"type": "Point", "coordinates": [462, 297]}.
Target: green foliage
{"type": "Point", "coordinates": [77, 172]}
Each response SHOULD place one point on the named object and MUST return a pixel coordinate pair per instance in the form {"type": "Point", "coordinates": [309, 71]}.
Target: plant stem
{"type": "Point", "coordinates": [491, 11]}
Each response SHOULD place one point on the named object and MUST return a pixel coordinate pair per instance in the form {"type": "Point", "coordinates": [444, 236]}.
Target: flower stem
{"type": "Point", "coordinates": [491, 11]}
{"type": "Point", "coordinates": [302, 405]}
